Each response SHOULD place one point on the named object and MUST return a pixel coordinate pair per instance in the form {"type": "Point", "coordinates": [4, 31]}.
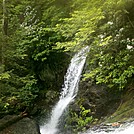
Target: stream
{"type": "Point", "coordinates": [125, 128]}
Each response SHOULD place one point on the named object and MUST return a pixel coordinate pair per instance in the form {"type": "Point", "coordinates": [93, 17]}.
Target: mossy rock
{"type": "Point", "coordinates": [125, 111]}
{"type": "Point", "coordinates": [23, 126]}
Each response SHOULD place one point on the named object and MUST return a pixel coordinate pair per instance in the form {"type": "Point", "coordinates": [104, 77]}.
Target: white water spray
{"type": "Point", "coordinates": [127, 128]}
{"type": "Point", "coordinates": [69, 91]}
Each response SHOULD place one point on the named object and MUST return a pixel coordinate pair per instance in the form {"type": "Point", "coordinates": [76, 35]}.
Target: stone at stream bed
{"type": "Point", "coordinates": [23, 126]}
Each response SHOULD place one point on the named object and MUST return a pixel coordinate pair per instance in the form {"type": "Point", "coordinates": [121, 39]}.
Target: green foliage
{"type": "Point", "coordinates": [4, 75]}
{"type": "Point", "coordinates": [27, 94]}
{"type": "Point", "coordinates": [80, 25]}
{"type": "Point", "coordinates": [80, 120]}
{"type": "Point", "coordinates": [15, 96]}
{"type": "Point", "coordinates": [39, 33]}
{"type": "Point", "coordinates": [29, 62]}
{"type": "Point", "coordinates": [40, 41]}
{"type": "Point", "coordinates": [39, 46]}
{"type": "Point", "coordinates": [111, 51]}
{"type": "Point", "coordinates": [107, 26]}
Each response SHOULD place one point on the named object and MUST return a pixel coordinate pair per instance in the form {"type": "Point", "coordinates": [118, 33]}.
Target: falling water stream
{"type": "Point", "coordinates": [69, 91]}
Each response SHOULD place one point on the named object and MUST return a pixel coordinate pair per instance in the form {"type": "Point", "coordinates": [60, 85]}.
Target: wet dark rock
{"type": "Point", "coordinates": [106, 105]}
{"type": "Point", "coordinates": [98, 98]}
{"type": "Point", "coordinates": [125, 110]}
{"type": "Point", "coordinates": [15, 125]}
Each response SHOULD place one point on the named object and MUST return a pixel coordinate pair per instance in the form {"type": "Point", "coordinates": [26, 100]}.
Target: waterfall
{"type": "Point", "coordinates": [69, 91]}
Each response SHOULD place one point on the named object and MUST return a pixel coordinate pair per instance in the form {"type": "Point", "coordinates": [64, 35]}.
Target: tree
{"type": "Point", "coordinates": [104, 26]}
{"type": "Point", "coordinates": [30, 63]}
{"type": "Point", "coordinates": [111, 56]}
{"type": "Point", "coordinates": [81, 25]}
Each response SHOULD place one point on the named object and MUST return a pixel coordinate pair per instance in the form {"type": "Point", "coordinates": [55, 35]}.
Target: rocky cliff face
{"type": "Point", "coordinates": [125, 110]}
{"type": "Point", "coordinates": [99, 99]}
{"type": "Point", "coordinates": [107, 105]}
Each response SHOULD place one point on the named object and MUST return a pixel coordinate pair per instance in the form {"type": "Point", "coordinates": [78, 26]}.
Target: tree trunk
{"type": "Point", "coordinates": [5, 19]}
{"type": "Point", "coordinates": [4, 31]}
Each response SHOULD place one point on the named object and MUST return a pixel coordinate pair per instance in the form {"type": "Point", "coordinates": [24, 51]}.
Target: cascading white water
{"type": "Point", "coordinates": [127, 128]}
{"type": "Point", "coordinates": [69, 91]}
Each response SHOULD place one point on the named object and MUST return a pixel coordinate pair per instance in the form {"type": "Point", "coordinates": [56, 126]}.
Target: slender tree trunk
{"type": "Point", "coordinates": [5, 19]}
{"type": "Point", "coordinates": [4, 30]}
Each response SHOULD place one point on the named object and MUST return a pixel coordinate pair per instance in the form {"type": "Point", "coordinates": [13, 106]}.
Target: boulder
{"type": "Point", "coordinates": [13, 125]}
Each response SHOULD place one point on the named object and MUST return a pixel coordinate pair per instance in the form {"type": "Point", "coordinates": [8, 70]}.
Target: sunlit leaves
{"type": "Point", "coordinates": [105, 41]}
{"type": "Point", "coordinates": [111, 53]}
{"type": "Point", "coordinates": [4, 75]}
{"type": "Point", "coordinates": [82, 23]}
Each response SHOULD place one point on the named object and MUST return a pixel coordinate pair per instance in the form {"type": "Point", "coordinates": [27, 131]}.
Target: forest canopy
{"type": "Point", "coordinates": [37, 36]}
